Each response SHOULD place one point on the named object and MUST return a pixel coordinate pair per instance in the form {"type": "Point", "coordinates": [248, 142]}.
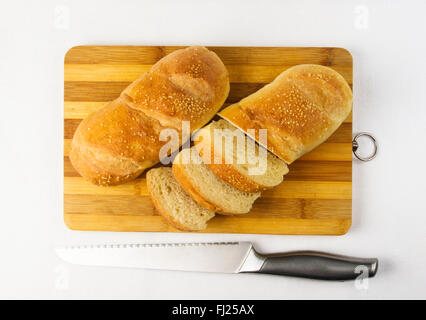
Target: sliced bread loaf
{"type": "Point", "coordinates": [206, 188]}
{"type": "Point", "coordinates": [242, 169]}
{"type": "Point", "coordinates": [173, 203]}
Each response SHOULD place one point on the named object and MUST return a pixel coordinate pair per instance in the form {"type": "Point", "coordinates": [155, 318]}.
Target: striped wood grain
{"type": "Point", "coordinates": [315, 197]}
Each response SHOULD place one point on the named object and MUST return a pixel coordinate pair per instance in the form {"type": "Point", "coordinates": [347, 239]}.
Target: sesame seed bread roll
{"type": "Point", "coordinates": [300, 109]}
{"type": "Point", "coordinates": [208, 190]}
{"type": "Point", "coordinates": [186, 85]}
{"type": "Point", "coordinates": [238, 171]}
{"type": "Point", "coordinates": [119, 141]}
{"type": "Point", "coordinates": [115, 144]}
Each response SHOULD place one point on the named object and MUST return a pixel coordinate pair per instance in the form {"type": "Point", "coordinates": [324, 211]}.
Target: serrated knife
{"type": "Point", "coordinates": [223, 257]}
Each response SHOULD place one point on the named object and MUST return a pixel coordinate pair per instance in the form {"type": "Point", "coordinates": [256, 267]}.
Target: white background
{"type": "Point", "coordinates": [387, 40]}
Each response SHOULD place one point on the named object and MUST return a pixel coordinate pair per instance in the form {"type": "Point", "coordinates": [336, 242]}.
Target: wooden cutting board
{"type": "Point", "coordinates": [315, 198]}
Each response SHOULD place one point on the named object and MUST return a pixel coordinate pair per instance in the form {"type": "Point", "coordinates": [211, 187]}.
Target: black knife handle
{"type": "Point", "coordinates": [316, 265]}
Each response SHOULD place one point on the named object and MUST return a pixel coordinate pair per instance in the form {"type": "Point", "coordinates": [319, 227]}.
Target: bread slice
{"type": "Point", "coordinates": [173, 203]}
{"type": "Point", "coordinates": [206, 188]}
{"type": "Point", "coordinates": [240, 170]}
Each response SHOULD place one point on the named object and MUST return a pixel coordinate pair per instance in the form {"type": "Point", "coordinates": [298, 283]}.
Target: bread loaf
{"type": "Point", "coordinates": [300, 109]}
{"type": "Point", "coordinates": [173, 203]}
{"type": "Point", "coordinates": [247, 171]}
{"type": "Point", "coordinates": [118, 142]}
{"type": "Point", "coordinates": [206, 188]}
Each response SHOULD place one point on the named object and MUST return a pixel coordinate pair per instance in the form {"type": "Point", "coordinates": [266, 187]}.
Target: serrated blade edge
{"type": "Point", "coordinates": [198, 256]}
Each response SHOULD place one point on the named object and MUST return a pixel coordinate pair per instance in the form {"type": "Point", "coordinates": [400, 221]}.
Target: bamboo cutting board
{"type": "Point", "coordinates": [315, 197]}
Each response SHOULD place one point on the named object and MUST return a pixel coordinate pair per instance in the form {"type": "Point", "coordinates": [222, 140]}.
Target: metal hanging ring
{"type": "Point", "coordinates": [355, 146]}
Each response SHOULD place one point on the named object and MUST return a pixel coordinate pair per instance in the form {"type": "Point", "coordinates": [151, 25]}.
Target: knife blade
{"type": "Point", "coordinates": [222, 257]}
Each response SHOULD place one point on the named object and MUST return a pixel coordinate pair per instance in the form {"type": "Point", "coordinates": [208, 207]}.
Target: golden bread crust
{"type": "Point", "coordinates": [300, 109]}
{"type": "Point", "coordinates": [187, 85]}
{"type": "Point", "coordinates": [115, 144]}
{"type": "Point", "coordinates": [119, 141]}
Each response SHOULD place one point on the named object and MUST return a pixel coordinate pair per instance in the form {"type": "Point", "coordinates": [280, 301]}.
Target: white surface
{"type": "Point", "coordinates": [389, 207]}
